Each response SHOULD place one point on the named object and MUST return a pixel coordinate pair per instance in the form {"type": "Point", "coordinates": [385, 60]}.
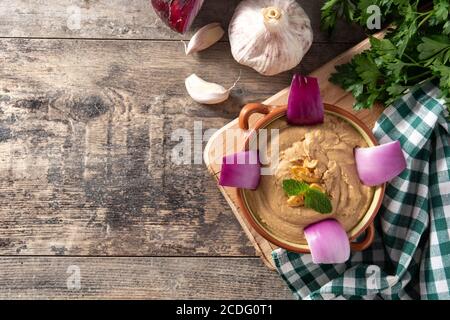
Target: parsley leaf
{"type": "Point", "coordinates": [414, 50]}
{"type": "Point", "coordinates": [344, 8]}
{"type": "Point", "coordinates": [434, 48]}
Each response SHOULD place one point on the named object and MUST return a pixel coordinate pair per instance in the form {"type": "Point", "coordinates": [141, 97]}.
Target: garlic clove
{"type": "Point", "coordinates": [205, 37]}
{"type": "Point", "coordinates": [205, 92]}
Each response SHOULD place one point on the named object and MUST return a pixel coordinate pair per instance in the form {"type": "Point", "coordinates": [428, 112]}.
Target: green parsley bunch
{"type": "Point", "coordinates": [415, 49]}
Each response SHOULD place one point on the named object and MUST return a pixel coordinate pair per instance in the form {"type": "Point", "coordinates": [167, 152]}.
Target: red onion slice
{"type": "Point", "coordinates": [241, 170]}
{"type": "Point", "coordinates": [177, 14]}
{"type": "Point", "coordinates": [379, 164]}
{"type": "Point", "coordinates": [328, 242]}
{"type": "Point", "coordinates": [305, 105]}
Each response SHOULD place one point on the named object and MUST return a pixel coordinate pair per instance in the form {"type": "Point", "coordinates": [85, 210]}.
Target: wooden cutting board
{"type": "Point", "coordinates": [215, 148]}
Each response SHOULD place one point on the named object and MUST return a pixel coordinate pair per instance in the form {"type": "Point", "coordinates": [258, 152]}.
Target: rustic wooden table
{"type": "Point", "coordinates": [90, 94]}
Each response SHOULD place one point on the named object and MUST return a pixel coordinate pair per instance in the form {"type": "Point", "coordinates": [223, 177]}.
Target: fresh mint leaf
{"type": "Point", "coordinates": [318, 201]}
{"type": "Point", "coordinates": [294, 187]}
{"type": "Point", "coordinates": [314, 199]}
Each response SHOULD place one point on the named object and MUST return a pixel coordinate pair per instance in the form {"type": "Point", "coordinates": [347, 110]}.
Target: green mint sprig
{"type": "Point", "coordinates": [294, 187]}
{"type": "Point", "coordinates": [314, 199]}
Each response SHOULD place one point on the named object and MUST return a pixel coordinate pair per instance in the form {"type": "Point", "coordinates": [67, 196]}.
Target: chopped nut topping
{"type": "Point", "coordinates": [317, 187]}
{"type": "Point", "coordinates": [295, 201]}
{"type": "Point", "coordinates": [298, 162]}
{"type": "Point", "coordinates": [310, 164]}
{"type": "Point", "coordinates": [303, 174]}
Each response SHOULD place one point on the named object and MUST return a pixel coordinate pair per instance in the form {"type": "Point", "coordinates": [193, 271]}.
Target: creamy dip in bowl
{"type": "Point", "coordinates": [329, 146]}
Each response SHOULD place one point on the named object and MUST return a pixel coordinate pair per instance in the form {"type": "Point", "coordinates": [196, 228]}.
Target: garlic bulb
{"type": "Point", "coordinates": [271, 36]}
{"type": "Point", "coordinates": [206, 92]}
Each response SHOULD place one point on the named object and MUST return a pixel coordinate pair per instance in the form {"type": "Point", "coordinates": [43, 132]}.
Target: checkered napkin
{"type": "Point", "coordinates": [410, 257]}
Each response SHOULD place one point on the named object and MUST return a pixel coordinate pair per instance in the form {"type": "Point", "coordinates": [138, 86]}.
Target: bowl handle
{"type": "Point", "coordinates": [368, 239]}
{"type": "Point", "coordinates": [250, 109]}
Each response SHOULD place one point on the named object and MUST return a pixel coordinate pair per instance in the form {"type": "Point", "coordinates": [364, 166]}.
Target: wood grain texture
{"type": "Point", "coordinates": [86, 146]}
{"type": "Point", "coordinates": [139, 278]}
{"type": "Point", "coordinates": [125, 19]}
{"type": "Point", "coordinates": [86, 122]}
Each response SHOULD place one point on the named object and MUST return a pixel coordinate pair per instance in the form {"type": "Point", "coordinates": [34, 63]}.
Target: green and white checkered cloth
{"type": "Point", "coordinates": [410, 257]}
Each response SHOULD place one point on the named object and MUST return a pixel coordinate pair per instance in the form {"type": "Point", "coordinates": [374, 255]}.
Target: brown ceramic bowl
{"type": "Point", "coordinates": [366, 222]}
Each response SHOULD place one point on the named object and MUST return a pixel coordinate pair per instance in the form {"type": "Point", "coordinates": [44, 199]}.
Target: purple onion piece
{"type": "Point", "coordinates": [328, 242]}
{"type": "Point", "coordinates": [241, 170]}
{"type": "Point", "coordinates": [379, 164]}
{"type": "Point", "coordinates": [305, 105]}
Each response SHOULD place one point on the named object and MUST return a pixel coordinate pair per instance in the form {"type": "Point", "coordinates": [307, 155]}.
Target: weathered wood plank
{"type": "Point", "coordinates": [124, 19]}
{"type": "Point", "coordinates": [138, 278]}
{"type": "Point", "coordinates": [86, 144]}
